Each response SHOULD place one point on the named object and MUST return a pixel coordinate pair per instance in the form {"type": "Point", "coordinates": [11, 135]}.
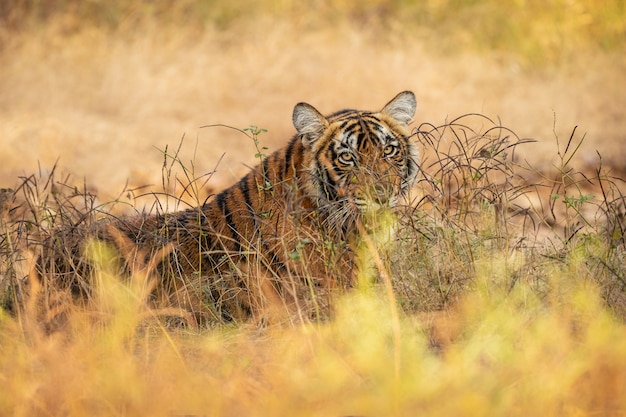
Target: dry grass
{"type": "Point", "coordinates": [506, 352]}
{"type": "Point", "coordinates": [491, 311]}
{"type": "Point", "coordinates": [507, 280]}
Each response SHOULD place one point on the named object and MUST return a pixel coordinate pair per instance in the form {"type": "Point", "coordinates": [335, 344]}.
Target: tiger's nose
{"type": "Point", "coordinates": [380, 193]}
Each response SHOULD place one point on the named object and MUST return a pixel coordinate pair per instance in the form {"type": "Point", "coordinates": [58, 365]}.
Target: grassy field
{"type": "Point", "coordinates": [507, 290]}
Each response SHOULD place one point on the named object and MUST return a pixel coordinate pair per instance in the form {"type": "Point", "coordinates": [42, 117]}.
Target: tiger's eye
{"type": "Point", "coordinates": [346, 158]}
{"type": "Point", "coordinates": [389, 150]}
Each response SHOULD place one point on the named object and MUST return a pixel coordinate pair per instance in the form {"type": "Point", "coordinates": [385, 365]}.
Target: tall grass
{"type": "Point", "coordinates": [495, 306]}
{"type": "Point", "coordinates": [504, 352]}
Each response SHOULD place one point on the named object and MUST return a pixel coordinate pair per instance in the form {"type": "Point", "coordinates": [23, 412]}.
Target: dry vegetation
{"type": "Point", "coordinates": [507, 286]}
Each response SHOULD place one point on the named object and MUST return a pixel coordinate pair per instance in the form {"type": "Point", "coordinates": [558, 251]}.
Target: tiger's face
{"type": "Point", "coordinates": [365, 160]}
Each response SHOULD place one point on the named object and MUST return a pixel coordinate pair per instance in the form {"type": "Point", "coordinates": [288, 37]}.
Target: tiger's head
{"type": "Point", "coordinates": [359, 159]}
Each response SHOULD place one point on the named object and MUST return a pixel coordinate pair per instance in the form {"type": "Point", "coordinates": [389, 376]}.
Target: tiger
{"type": "Point", "coordinates": [287, 228]}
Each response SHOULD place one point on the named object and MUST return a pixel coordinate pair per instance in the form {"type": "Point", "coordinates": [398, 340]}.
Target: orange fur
{"type": "Point", "coordinates": [286, 229]}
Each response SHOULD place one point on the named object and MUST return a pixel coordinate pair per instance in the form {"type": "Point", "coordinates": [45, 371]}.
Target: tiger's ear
{"type": "Point", "coordinates": [309, 123]}
{"type": "Point", "coordinates": [402, 107]}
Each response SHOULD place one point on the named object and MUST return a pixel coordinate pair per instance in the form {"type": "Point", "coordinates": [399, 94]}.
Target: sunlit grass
{"type": "Point", "coordinates": [508, 353]}
{"type": "Point", "coordinates": [465, 312]}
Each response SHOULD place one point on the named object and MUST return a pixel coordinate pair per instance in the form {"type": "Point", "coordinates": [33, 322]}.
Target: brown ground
{"type": "Point", "coordinates": [103, 105]}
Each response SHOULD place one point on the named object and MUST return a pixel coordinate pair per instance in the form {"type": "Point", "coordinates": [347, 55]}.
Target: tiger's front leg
{"type": "Point", "coordinates": [310, 259]}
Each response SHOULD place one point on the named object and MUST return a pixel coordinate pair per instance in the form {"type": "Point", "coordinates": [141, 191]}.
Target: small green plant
{"type": "Point", "coordinates": [256, 132]}
{"type": "Point", "coordinates": [260, 154]}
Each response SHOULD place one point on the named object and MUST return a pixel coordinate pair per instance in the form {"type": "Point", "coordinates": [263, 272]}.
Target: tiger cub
{"type": "Point", "coordinates": [287, 228]}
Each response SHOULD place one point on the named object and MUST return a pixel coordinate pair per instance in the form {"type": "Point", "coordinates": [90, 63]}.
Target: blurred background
{"type": "Point", "coordinates": [102, 87]}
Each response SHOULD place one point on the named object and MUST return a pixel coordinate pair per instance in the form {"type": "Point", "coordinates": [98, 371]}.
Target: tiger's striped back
{"type": "Point", "coordinates": [288, 226]}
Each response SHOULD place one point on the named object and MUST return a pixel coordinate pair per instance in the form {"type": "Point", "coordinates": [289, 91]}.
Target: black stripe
{"type": "Point", "coordinates": [364, 134]}
{"type": "Point", "coordinates": [333, 153]}
{"type": "Point", "coordinates": [207, 239]}
{"type": "Point", "coordinates": [344, 124]}
{"type": "Point", "coordinates": [360, 139]}
{"type": "Point", "coordinates": [228, 216]}
{"type": "Point", "coordinates": [327, 184]}
{"type": "Point", "coordinates": [221, 202]}
{"type": "Point", "coordinates": [338, 115]}
{"type": "Point", "coordinates": [351, 128]}
{"type": "Point", "coordinates": [245, 190]}
{"type": "Point", "coordinates": [288, 155]}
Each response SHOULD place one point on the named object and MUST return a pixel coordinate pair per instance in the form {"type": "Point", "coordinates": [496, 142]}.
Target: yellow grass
{"type": "Point", "coordinates": [502, 353]}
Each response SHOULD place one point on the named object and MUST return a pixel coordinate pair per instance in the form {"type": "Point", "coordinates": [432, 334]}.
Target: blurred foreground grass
{"type": "Point", "coordinates": [533, 30]}
{"type": "Point", "coordinates": [503, 353]}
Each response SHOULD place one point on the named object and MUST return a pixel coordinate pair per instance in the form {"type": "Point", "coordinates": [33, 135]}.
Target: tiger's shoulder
{"type": "Point", "coordinates": [288, 225]}
{"type": "Point", "coordinates": [345, 161]}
